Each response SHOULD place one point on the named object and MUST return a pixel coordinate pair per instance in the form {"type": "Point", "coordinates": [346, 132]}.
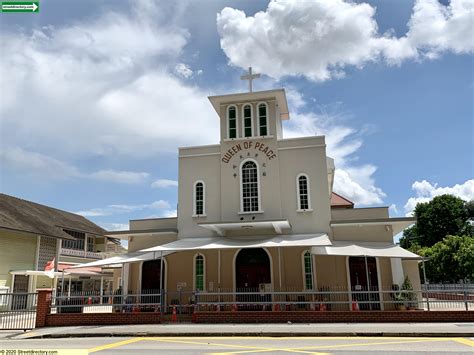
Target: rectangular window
{"type": "Point", "coordinates": [303, 193]}
{"type": "Point", "coordinates": [262, 119]}
{"type": "Point", "coordinates": [308, 271]}
{"type": "Point", "coordinates": [250, 187]}
{"type": "Point", "coordinates": [232, 122]}
{"type": "Point", "coordinates": [232, 129]}
{"type": "Point", "coordinates": [199, 198]}
{"type": "Point", "coordinates": [90, 243]}
{"type": "Point", "coordinates": [77, 244]}
{"type": "Point", "coordinates": [199, 273]}
{"type": "Point", "coordinates": [247, 121]}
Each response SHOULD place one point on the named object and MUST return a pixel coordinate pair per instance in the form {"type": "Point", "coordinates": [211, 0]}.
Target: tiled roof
{"type": "Point", "coordinates": [337, 201]}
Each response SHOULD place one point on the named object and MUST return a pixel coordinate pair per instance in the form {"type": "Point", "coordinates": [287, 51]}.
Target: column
{"type": "Point", "coordinates": [101, 288]}
{"type": "Point", "coordinates": [397, 271]}
{"type": "Point", "coordinates": [125, 275]}
{"type": "Point", "coordinates": [43, 307]}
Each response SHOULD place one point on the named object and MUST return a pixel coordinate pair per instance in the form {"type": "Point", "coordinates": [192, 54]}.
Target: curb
{"type": "Point", "coordinates": [248, 334]}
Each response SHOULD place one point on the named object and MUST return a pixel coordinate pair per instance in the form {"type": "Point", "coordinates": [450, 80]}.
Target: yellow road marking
{"type": "Point", "coordinates": [234, 346]}
{"type": "Point", "coordinates": [259, 349]}
{"type": "Point", "coordinates": [248, 348]}
{"type": "Point", "coordinates": [464, 341]}
{"type": "Point", "coordinates": [368, 344]}
{"type": "Point", "coordinates": [242, 352]}
{"type": "Point", "coordinates": [115, 345]}
{"type": "Point", "coordinates": [298, 337]}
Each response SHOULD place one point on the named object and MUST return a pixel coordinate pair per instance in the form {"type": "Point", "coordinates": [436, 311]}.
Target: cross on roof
{"type": "Point", "coordinates": [250, 77]}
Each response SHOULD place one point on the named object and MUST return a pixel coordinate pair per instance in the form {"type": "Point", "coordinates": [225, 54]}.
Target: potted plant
{"type": "Point", "coordinates": [407, 294]}
{"type": "Point", "coordinates": [396, 296]}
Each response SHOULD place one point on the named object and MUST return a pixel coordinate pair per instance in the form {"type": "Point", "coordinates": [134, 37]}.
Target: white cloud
{"type": "Point", "coordinates": [425, 191]}
{"type": "Point", "coordinates": [353, 181]}
{"type": "Point", "coordinates": [36, 163]}
{"type": "Point", "coordinates": [121, 209]}
{"type": "Point", "coordinates": [169, 213]}
{"type": "Point", "coordinates": [102, 87]}
{"type": "Point", "coordinates": [127, 177]}
{"type": "Point", "coordinates": [42, 165]}
{"type": "Point", "coordinates": [393, 209]}
{"type": "Point", "coordinates": [114, 226]}
{"type": "Point", "coordinates": [319, 38]}
{"type": "Point", "coordinates": [183, 70]}
{"type": "Point", "coordinates": [164, 183]}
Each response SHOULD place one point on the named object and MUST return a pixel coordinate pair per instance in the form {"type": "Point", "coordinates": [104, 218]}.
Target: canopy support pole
{"type": "Point", "coordinates": [69, 289]}
{"type": "Point", "coordinates": [368, 282]}
{"type": "Point", "coordinates": [62, 282]}
{"type": "Point", "coordinates": [161, 281]}
{"type": "Point", "coordinates": [279, 267]}
{"type": "Point", "coordinates": [426, 285]}
{"type": "Point", "coordinates": [219, 273]}
{"type": "Point", "coordinates": [101, 289]}
{"type": "Point", "coordinates": [219, 268]}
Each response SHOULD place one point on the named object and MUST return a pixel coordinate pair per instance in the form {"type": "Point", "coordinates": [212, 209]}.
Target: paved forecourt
{"type": "Point", "coordinates": [249, 345]}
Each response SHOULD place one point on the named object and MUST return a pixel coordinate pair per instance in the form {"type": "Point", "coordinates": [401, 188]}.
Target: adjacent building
{"type": "Point", "coordinates": [33, 235]}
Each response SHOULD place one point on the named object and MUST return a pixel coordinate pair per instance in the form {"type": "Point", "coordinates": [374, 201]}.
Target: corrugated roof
{"type": "Point", "coordinates": [26, 216]}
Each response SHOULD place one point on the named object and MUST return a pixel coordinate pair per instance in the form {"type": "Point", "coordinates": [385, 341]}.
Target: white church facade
{"type": "Point", "coordinates": [258, 212]}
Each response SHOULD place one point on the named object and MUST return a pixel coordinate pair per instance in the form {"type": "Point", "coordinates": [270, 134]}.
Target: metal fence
{"type": "Point", "coordinates": [18, 310]}
{"type": "Point", "coordinates": [184, 303]}
{"type": "Point", "coordinates": [117, 301]}
{"type": "Point", "coordinates": [339, 299]}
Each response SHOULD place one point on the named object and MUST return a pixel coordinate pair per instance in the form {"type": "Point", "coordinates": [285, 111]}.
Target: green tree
{"type": "Point", "coordinates": [443, 215]}
{"type": "Point", "coordinates": [409, 238]}
{"type": "Point", "coordinates": [451, 259]}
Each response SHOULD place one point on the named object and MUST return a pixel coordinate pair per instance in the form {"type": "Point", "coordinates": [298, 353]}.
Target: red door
{"type": "Point", "coordinates": [359, 285]}
{"type": "Point", "coordinates": [252, 268]}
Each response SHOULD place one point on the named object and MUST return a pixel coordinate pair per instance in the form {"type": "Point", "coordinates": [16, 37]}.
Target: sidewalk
{"type": "Point", "coordinates": [277, 330]}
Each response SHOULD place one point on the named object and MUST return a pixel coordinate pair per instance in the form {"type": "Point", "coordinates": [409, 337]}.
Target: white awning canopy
{"type": "Point", "coordinates": [122, 259]}
{"type": "Point", "coordinates": [34, 273]}
{"type": "Point", "coordinates": [350, 248]}
{"type": "Point", "coordinates": [290, 240]}
{"type": "Point", "coordinates": [222, 227]}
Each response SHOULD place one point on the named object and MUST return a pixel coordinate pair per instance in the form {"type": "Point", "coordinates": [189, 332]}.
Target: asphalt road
{"type": "Point", "coordinates": [246, 345]}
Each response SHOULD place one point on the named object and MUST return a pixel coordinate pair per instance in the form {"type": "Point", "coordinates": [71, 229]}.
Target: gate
{"type": "Point", "coordinates": [17, 311]}
{"type": "Point", "coordinates": [179, 307]}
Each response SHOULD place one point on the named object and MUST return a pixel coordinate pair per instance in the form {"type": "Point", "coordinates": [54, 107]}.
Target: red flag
{"type": "Point", "coordinates": [49, 269]}
{"type": "Point", "coordinates": [49, 265]}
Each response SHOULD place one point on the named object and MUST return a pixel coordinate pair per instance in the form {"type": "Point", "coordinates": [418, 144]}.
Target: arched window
{"type": "Point", "coordinates": [247, 120]}
{"type": "Point", "coordinates": [249, 176]}
{"type": "Point", "coordinates": [262, 119]}
{"type": "Point", "coordinates": [199, 199]}
{"type": "Point", "coordinates": [308, 270]}
{"type": "Point", "coordinates": [232, 122]}
{"type": "Point", "coordinates": [302, 186]}
{"type": "Point", "coordinates": [199, 273]}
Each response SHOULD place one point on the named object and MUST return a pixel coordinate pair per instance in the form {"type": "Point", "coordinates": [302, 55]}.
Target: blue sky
{"type": "Point", "coordinates": [97, 96]}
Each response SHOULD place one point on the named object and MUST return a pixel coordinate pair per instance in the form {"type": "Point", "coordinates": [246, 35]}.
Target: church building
{"type": "Point", "coordinates": [258, 212]}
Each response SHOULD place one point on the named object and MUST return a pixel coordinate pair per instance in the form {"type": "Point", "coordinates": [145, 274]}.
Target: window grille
{"type": "Point", "coordinates": [308, 270]}
{"type": "Point", "coordinates": [199, 272]}
{"type": "Point", "coordinates": [47, 251]}
{"type": "Point", "coordinates": [250, 187]}
{"type": "Point", "coordinates": [303, 193]}
{"type": "Point", "coordinates": [232, 122]}
{"type": "Point", "coordinates": [199, 199]}
{"type": "Point", "coordinates": [262, 118]}
{"type": "Point", "coordinates": [77, 244]}
{"type": "Point", "coordinates": [247, 121]}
